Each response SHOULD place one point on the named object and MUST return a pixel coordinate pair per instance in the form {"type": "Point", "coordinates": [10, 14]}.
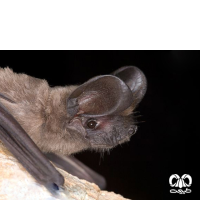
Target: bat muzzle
{"type": "Point", "coordinates": [118, 136]}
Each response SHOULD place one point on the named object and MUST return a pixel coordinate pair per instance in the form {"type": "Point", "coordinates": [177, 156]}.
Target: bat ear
{"type": "Point", "coordinates": [101, 95]}
{"type": "Point", "coordinates": [135, 79]}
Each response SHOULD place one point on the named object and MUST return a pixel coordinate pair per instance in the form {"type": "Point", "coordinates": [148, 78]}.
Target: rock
{"type": "Point", "coordinates": [16, 183]}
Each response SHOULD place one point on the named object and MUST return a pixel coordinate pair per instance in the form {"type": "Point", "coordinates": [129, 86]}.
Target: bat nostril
{"type": "Point", "coordinates": [132, 130]}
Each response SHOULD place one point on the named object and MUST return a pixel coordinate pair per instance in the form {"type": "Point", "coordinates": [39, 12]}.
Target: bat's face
{"type": "Point", "coordinates": [104, 132]}
{"type": "Point", "coordinates": [100, 109]}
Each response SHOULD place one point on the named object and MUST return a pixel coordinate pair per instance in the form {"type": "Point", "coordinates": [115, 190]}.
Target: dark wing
{"type": "Point", "coordinates": [25, 150]}
{"type": "Point", "coordinates": [77, 168]}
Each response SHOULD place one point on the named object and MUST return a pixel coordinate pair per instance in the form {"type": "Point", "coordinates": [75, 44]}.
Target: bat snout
{"type": "Point", "coordinates": [132, 130]}
{"type": "Point", "coordinates": [125, 135]}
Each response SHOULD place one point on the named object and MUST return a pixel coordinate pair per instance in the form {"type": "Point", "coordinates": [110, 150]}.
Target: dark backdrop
{"type": "Point", "coordinates": [167, 141]}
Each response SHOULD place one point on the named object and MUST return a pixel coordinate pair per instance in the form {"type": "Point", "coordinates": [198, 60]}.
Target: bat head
{"type": "Point", "coordinates": [100, 109]}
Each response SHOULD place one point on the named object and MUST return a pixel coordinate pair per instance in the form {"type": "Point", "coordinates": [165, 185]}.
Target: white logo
{"type": "Point", "coordinates": [181, 182]}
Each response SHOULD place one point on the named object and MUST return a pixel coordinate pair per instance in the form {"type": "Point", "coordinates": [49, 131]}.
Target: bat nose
{"type": "Point", "coordinates": [132, 130]}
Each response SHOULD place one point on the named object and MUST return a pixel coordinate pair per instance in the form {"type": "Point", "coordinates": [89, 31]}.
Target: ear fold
{"type": "Point", "coordinates": [101, 95]}
{"type": "Point", "coordinates": [135, 79]}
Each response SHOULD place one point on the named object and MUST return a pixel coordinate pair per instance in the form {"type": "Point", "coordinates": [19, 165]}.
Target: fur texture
{"type": "Point", "coordinates": [41, 111]}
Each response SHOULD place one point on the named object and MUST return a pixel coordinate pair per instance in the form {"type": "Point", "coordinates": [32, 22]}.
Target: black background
{"type": "Point", "coordinates": [167, 141]}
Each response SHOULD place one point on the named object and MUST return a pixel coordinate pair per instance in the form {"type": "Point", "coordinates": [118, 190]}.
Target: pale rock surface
{"type": "Point", "coordinates": [16, 183]}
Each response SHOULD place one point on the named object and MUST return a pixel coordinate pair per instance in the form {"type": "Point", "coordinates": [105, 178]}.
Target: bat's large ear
{"type": "Point", "coordinates": [101, 95]}
{"type": "Point", "coordinates": [135, 79]}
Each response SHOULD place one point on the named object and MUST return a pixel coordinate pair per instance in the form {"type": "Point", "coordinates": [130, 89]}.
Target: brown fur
{"type": "Point", "coordinates": [40, 110]}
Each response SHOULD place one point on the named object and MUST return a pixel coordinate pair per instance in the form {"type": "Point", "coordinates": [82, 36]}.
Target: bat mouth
{"type": "Point", "coordinates": [109, 143]}
{"type": "Point", "coordinates": [108, 146]}
{"type": "Point", "coordinates": [112, 141]}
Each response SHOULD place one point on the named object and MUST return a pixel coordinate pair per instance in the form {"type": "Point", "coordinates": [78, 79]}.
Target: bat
{"type": "Point", "coordinates": [36, 118]}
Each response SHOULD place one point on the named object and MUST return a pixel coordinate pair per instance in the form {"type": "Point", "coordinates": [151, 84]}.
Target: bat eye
{"type": "Point", "coordinates": [91, 124]}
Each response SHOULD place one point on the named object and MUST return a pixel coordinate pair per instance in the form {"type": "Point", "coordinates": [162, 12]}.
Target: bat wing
{"type": "Point", "coordinates": [77, 168]}
{"type": "Point", "coordinates": [25, 150]}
